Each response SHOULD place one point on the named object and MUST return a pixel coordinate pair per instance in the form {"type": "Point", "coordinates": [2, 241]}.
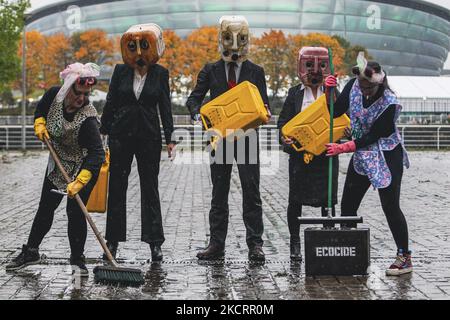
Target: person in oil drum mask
{"type": "Point", "coordinates": [218, 77]}
{"type": "Point", "coordinates": [308, 175]}
{"type": "Point", "coordinates": [138, 89]}
{"type": "Point", "coordinates": [378, 151]}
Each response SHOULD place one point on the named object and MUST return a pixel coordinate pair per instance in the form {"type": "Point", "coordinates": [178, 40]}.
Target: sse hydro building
{"type": "Point", "coordinates": [408, 37]}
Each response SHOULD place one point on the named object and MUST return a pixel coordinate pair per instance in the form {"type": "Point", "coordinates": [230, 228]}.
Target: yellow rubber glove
{"type": "Point", "coordinates": [40, 130]}
{"type": "Point", "coordinates": [75, 186]}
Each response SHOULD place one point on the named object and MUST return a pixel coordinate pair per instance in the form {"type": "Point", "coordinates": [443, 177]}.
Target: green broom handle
{"type": "Point", "coordinates": [330, 160]}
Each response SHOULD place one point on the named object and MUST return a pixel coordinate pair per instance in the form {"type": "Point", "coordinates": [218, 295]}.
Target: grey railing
{"type": "Point", "coordinates": [181, 119]}
{"type": "Point", "coordinates": [415, 136]}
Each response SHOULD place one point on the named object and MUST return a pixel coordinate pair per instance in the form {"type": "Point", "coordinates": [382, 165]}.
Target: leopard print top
{"type": "Point", "coordinates": [64, 136]}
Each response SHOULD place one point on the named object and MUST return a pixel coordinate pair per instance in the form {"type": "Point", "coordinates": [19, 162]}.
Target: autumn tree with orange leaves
{"type": "Point", "coordinates": [58, 55]}
{"type": "Point", "coordinates": [117, 51]}
{"type": "Point", "coordinates": [35, 52]}
{"type": "Point", "coordinates": [200, 47]}
{"type": "Point", "coordinates": [271, 52]}
{"type": "Point", "coordinates": [93, 46]}
{"type": "Point", "coordinates": [174, 60]}
{"type": "Point", "coordinates": [47, 56]}
{"type": "Point", "coordinates": [184, 58]}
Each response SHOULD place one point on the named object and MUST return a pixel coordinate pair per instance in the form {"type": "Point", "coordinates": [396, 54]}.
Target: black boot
{"type": "Point", "coordinates": [256, 253]}
{"type": "Point", "coordinates": [112, 246]}
{"type": "Point", "coordinates": [78, 264]}
{"type": "Point", "coordinates": [156, 252]}
{"type": "Point", "coordinates": [296, 253]}
{"type": "Point", "coordinates": [27, 257]}
{"type": "Point", "coordinates": [212, 252]}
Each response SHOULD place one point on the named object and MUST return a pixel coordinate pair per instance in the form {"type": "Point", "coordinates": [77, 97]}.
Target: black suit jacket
{"type": "Point", "coordinates": [291, 107]}
{"type": "Point", "coordinates": [213, 78]}
{"type": "Point", "coordinates": [125, 116]}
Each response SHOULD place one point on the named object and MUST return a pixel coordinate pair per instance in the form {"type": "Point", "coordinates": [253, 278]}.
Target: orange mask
{"type": "Point", "coordinates": [142, 45]}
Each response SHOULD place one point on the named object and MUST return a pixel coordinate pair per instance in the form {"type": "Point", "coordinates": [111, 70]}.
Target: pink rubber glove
{"type": "Point", "coordinates": [333, 149]}
{"type": "Point", "coordinates": [331, 81]}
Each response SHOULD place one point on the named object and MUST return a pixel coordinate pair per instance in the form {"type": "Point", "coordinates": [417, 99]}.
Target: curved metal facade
{"type": "Point", "coordinates": [408, 39]}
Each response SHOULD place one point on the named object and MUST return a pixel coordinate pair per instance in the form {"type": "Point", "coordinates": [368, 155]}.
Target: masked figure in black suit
{"type": "Point", "coordinates": [130, 118]}
{"type": "Point", "coordinates": [217, 78]}
{"type": "Point", "coordinates": [308, 175]}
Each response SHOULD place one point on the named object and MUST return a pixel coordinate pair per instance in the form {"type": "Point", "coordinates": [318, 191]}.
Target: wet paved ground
{"type": "Point", "coordinates": [185, 196]}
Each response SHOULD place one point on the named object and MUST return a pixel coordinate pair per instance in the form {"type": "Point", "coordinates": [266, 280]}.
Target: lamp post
{"type": "Point", "coordinates": [24, 80]}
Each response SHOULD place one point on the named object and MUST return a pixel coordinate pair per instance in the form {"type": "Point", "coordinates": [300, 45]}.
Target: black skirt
{"type": "Point", "coordinates": [308, 183]}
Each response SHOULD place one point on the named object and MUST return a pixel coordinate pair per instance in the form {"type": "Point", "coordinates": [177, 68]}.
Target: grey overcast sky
{"type": "Point", "coordinates": [445, 3]}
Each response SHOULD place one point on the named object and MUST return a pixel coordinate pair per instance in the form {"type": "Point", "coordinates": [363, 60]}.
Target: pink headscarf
{"type": "Point", "coordinates": [72, 73]}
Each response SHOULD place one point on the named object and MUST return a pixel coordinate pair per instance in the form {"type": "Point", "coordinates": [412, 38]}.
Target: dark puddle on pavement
{"type": "Point", "coordinates": [155, 280]}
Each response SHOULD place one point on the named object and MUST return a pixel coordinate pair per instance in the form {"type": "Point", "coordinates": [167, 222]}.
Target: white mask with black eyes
{"type": "Point", "coordinates": [234, 36]}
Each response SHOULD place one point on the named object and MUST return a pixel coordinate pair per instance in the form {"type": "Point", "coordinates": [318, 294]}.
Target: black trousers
{"type": "Point", "coordinates": [356, 186]}
{"type": "Point", "coordinates": [77, 227]}
{"type": "Point", "coordinates": [148, 156]}
{"type": "Point", "coordinates": [249, 175]}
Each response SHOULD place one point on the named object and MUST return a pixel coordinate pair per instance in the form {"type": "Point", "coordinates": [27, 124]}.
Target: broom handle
{"type": "Point", "coordinates": [330, 160]}
{"type": "Point", "coordinates": [81, 204]}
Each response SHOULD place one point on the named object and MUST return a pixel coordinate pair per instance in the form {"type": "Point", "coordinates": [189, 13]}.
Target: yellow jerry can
{"type": "Point", "coordinates": [239, 108]}
{"type": "Point", "coordinates": [99, 195]}
{"type": "Point", "coordinates": [310, 129]}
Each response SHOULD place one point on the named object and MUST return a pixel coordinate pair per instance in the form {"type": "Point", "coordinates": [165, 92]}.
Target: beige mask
{"type": "Point", "coordinates": [234, 38]}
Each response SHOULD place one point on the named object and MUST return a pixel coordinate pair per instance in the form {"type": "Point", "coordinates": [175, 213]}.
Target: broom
{"type": "Point", "coordinates": [112, 274]}
{"type": "Point", "coordinates": [330, 160]}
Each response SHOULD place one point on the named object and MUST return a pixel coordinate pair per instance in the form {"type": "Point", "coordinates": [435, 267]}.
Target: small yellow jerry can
{"type": "Point", "coordinates": [310, 129]}
{"type": "Point", "coordinates": [99, 196]}
{"type": "Point", "coordinates": [240, 108]}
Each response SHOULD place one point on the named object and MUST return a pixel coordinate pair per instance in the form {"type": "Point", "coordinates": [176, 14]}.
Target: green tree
{"type": "Point", "coordinates": [12, 20]}
{"type": "Point", "coordinates": [7, 98]}
{"type": "Point", "coordinates": [351, 52]}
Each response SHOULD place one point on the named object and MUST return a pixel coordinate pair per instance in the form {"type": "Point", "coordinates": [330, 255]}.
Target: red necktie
{"type": "Point", "coordinates": [231, 75]}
